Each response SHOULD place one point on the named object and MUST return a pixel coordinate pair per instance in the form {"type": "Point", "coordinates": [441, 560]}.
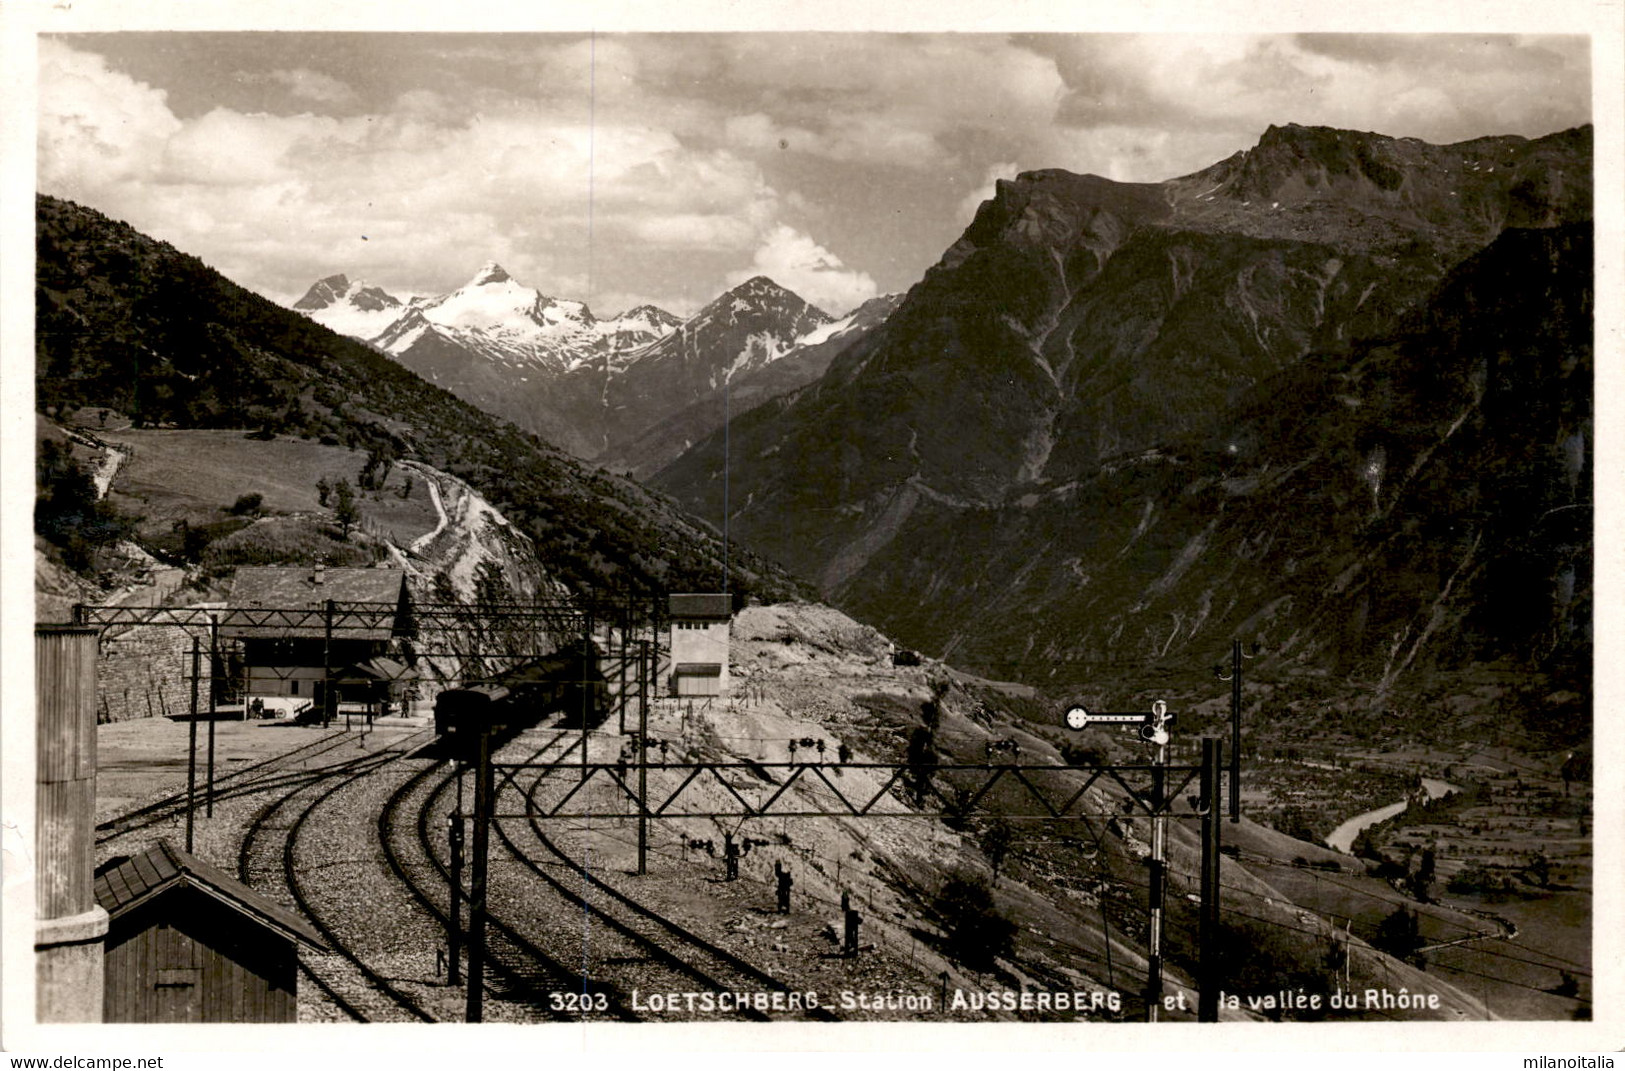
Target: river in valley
{"type": "Point", "coordinates": [1342, 838]}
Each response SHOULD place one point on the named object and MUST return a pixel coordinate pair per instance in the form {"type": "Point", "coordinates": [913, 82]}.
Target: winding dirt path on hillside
{"type": "Point", "coordinates": [431, 479]}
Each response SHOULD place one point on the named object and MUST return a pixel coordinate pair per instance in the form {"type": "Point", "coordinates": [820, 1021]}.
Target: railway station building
{"type": "Point", "coordinates": [289, 660]}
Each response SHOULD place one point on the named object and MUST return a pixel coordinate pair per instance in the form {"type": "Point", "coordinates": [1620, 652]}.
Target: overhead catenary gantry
{"type": "Point", "coordinates": [458, 644]}
{"type": "Point", "coordinates": [467, 643]}
{"type": "Point", "coordinates": [481, 643]}
{"type": "Point", "coordinates": [763, 790]}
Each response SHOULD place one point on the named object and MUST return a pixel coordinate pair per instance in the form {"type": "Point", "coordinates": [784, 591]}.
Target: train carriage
{"type": "Point", "coordinates": [569, 682]}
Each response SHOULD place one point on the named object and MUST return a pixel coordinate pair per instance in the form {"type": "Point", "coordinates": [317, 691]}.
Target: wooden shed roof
{"type": "Point", "coordinates": [125, 883]}
{"type": "Point", "coordinates": [385, 669]}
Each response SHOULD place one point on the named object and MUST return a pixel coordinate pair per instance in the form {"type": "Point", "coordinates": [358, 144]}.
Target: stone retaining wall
{"type": "Point", "coordinates": [143, 672]}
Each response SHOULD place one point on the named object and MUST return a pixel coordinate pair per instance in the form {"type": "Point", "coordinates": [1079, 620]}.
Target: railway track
{"type": "Point", "coordinates": [267, 775]}
{"type": "Point", "coordinates": [358, 990]}
{"type": "Point", "coordinates": [520, 971]}
{"type": "Point", "coordinates": [666, 956]}
{"type": "Point", "coordinates": [562, 944]}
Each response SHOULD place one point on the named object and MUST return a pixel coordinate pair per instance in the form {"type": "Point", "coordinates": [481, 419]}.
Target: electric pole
{"type": "Point", "coordinates": [475, 1005]}
{"type": "Point", "coordinates": [1207, 1001]}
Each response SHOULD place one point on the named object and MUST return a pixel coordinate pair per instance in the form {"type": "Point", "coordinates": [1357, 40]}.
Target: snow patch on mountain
{"type": "Point", "coordinates": [354, 308]}
{"type": "Point", "coordinates": [761, 349]}
{"type": "Point", "coordinates": [863, 317]}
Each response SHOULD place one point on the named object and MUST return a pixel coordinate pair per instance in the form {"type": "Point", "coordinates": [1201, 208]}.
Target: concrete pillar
{"type": "Point", "coordinates": [70, 928]}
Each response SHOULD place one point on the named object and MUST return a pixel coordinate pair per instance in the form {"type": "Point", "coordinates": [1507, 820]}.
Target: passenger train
{"type": "Point", "coordinates": [569, 682]}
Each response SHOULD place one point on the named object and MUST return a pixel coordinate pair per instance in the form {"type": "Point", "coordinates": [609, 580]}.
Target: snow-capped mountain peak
{"type": "Point", "coordinates": [748, 327]}
{"type": "Point", "coordinates": [495, 302]}
{"type": "Point", "coordinates": [324, 292]}
{"type": "Point", "coordinates": [350, 308]}
{"type": "Point", "coordinates": [649, 319]}
{"type": "Point", "coordinates": [490, 272]}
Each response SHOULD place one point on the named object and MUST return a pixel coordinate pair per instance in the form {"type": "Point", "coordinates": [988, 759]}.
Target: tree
{"type": "Point", "coordinates": [344, 509]}
{"type": "Point", "coordinates": [996, 842]}
{"type": "Point", "coordinates": [293, 417]}
{"type": "Point", "coordinates": [374, 474]}
{"type": "Point", "coordinates": [1400, 934]}
{"type": "Point", "coordinates": [1422, 880]}
{"type": "Point", "coordinates": [920, 762]}
{"type": "Point", "coordinates": [931, 709]}
{"type": "Point", "coordinates": [977, 933]}
{"type": "Point", "coordinates": [193, 540]}
{"type": "Point", "coordinates": [441, 588]}
{"type": "Point", "coordinates": [67, 511]}
{"type": "Point", "coordinates": [249, 503]}
{"type": "Point", "coordinates": [1541, 868]}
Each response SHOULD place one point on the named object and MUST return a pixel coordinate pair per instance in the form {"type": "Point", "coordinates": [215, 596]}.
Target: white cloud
{"type": "Point", "coordinates": [759, 132]}
{"type": "Point", "coordinates": [275, 201]}
{"type": "Point", "coordinates": [97, 127]}
{"type": "Point", "coordinates": [312, 85]}
{"type": "Point", "coordinates": [984, 192]}
{"type": "Point", "coordinates": [228, 148]}
{"type": "Point", "coordinates": [694, 231]}
{"type": "Point", "coordinates": [1153, 106]}
{"type": "Point", "coordinates": [894, 99]}
{"type": "Point", "coordinates": [726, 147]}
{"type": "Point", "coordinates": [795, 261]}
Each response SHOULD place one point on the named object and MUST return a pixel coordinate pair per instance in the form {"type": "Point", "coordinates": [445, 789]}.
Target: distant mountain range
{"type": "Point", "coordinates": [647, 451]}
{"type": "Point", "coordinates": [129, 323]}
{"type": "Point", "coordinates": [1332, 393]}
{"type": "Point", "coordinates": [588, 385]}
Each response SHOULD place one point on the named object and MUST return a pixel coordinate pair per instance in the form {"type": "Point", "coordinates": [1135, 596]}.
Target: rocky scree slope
{"type": "Point", "coordinates": [1068, 887]}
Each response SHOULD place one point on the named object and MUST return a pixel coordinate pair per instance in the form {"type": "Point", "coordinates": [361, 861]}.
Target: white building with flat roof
{"type": "Point", "coordinates": [699, 644]}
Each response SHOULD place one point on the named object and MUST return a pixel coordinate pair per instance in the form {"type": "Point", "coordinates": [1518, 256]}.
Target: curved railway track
{"type": "Point", "coordinates": [376, 997]}
{"type": "Point", "coordinates": [525, 973]}
{"type": "Point", "coordinates": [692, 959]}
{"type": "Point", "coordinates": [532, 945]}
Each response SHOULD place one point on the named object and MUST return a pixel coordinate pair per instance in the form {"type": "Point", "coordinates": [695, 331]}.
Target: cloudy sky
{"type": "Point", "coordinates": [620, 169]}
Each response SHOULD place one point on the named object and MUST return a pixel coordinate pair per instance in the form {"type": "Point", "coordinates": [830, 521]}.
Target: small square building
{"type": "Point", "coordinates": [188, 943]}
{"type": "Point", "coordinates": [699, 643]}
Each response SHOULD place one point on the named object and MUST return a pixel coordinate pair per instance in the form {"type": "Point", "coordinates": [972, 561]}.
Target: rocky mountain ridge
{"type": "Point", "coordinates": [1085, 339]}
{"type": "Point", "coordinates": [806, 360]}
{"type": "Point", "coordinates": [547, 364]}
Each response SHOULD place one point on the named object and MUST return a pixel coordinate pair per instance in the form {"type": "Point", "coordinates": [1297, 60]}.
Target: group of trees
{"type": "Point", "coordinates": [375, 472]}
{"type": "Point", "coordinates": [67, 510]}
{"type": "Point", "coordinates": [342, 497]}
